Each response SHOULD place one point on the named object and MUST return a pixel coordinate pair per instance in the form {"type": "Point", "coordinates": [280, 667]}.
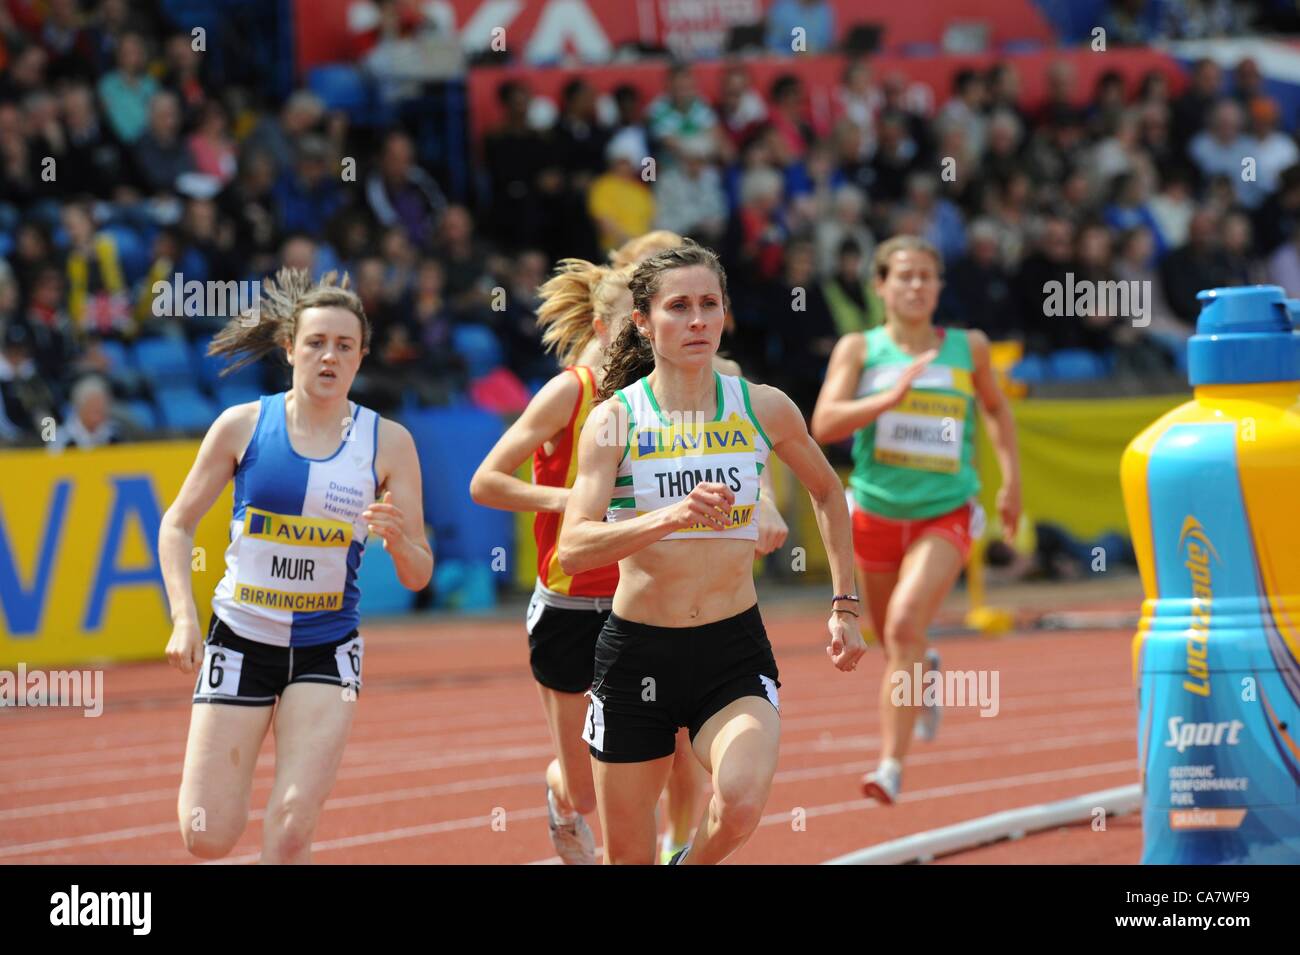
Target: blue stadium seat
{"type": "Point", "coordinates": [342, 87]}
{"type": "Point", "coordinates": [1076, 364]}
{"type": "Point", "coordinates": [478, 346]}
{"type": "Point", "coordinates": [132, 252]}
{"type": "Point", "coordinates": [164, 361]}
{"type": "Point", "coordinates": [1030, 369]}
{"type": "Point", "coordinates": [143, 414]}
{"type": "Point", "coordinates": [119, 358]}
{"type": "Point", "coordinates": [184, 409]}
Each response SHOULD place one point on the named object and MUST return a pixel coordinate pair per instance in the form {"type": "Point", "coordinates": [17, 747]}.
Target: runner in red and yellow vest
{"type": "Point", "coordinates": [907, 393]}
{"type": "Point", "coordinates": [558, 468]}
{"type": "Point", "coordinates": [582, 305]}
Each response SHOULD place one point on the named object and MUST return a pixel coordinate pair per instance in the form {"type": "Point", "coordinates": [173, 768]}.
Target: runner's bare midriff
{"type": "Point", "coordinates": [686, 583]}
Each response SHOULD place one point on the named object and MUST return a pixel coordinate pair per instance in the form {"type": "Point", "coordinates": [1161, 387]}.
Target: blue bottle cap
{"type": "Point", "coordinates": [1244, 335]}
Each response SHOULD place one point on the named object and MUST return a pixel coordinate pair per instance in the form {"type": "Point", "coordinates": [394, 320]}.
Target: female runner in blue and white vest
{"type": "Point", "coordinates": [308, 467]}
{"type": "Point", "coordinates": [667, 485]}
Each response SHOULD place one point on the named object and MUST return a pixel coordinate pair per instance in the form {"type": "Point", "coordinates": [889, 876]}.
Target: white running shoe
{"type": "Point", "coordinates": [573, 841]}
{"type": "Point", "coordinates": [883, 784]}
{"type": "Point", "coordinates": [926, 727]}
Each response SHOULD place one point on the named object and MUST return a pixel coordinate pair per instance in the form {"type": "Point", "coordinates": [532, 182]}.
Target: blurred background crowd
{"type": "Point", "coordinates": [129, 156]}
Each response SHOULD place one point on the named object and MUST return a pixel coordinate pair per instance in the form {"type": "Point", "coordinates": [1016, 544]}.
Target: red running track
{"type": "Point", "coordinates": [449, 736]}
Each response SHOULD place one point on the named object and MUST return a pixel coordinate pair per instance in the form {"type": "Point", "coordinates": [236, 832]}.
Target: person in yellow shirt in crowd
{"type": "Point", "coordinates": [620, 200]}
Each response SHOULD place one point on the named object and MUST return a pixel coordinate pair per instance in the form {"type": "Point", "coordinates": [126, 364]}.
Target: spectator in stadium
{"type": "Point", "coordinates": [1128, 208]}
{"type": "Point", "coordinates": [1283, 266]}
{"type": "Point", "coordinates": [679, 113]}
{"type": "Point", "coordinates": [18, 184]}
{"type": "Point", "coordinates": [800, 26]}
{"type": "Point", "coordinates": [25, 397]}
{"type": "Point", "coordinates": [1004, 90]}
{"type": "Point", "coordinates": [1051, 260]}
{"type": "Point", "coordinates": [94, 161]}
{"type": "Point", "coordinates": [212, 151]}
{"type": "Point", "coordinates": [69, 45]}
{"type": "Point", "coordinates": [762, 224]}
{"type": "Point", "coordinates": [1135, 262]}
{"type": "Point", "coordinates": [787, 115]}
{"type": "Point", "coordinates": [620, 202]}
{"type": "Point", "coordinates": [1195, 265]}
{"type": "Point", "coordinates": [401, 193]}
{"type": "Point", "coordinates": [1248, 83]}
{"type": "Point", "coordinates": [979, 291]}
{"type": "Point", "coordinates": [577, 135]}
{"type": "Point", "coordinates": [853, 303]}
{"type": "Point", "coordinates": [308, 196]}
{"type": "Point", "coordinates": [1154, 136]}
{"type": "Point", "coordinates": [249, 203]}
{"type": "Point", "coordinates": [1218, 150]}
{"type": "Point", "coordinates": [183, 75]}
{"type": "Point", "coordinates": [53, 338]}
{"type": "Point", "coordinates": [1172, 207]}
{"type": "Point", "coordinates": [1272, 149]}
{"type": "Point", "coordinates": [26, 74]}
{"type": "Point", "coordinates": [161, 156]}
{"type": "Point", "coordinates": [1058, 107]}
{"type": "Point", "coordinates": [464, 259]}
{"type": "Point", "coordinates": [1239, 263]}
{"type": "Point", "coordinates": [857, 100]}
{"type": "Point", "coordinates": [845, 223]}
{"type": "Point", "coordinates": [277, 136]}
{"type": "Point", "coordinates": [943, 226]}
{"type": "Point", "coordinates": [965, 109]}
{"type": "Point", "coordinates": [1094, 328]}
{"type": "Point", "coordinates": [513, 154]}
{"type": "Point", "coordinates": [895, 160]}
{"type": "Point", "coordinates": [1191, 109]}
{"type": "Point", "coordinates": [91, 423]}
{"type": "Point", "coordinates": [798, 327]}
{"type": "Point", "coordinates": [688, 197]}
{"type": "Point", "coordinates": [127, 93]}
{"type": "Point", "coordinates": [741, 109]}
{"type": "Point", "coordinates": [1003, 154]}
{"type": "Point", "coordinates": [98, 302]}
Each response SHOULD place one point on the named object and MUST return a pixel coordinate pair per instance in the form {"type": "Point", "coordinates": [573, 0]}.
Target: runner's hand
{"type": "Point", "coordinates": [709, 503]}
{"type": "Point", "coordinates": [772, 528]}
{"type": "Point", "coordinates": [846, 641]}
{"type": "Point", "coordinates": [913, 371]}
{"type": "Point", "coordinates": [384, 519]}
{"type": "Point", "coordinates": [185, 648]}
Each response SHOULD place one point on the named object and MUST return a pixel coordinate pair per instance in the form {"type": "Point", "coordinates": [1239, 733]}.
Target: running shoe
{"type": "Point", "coordinates": [927, 723]}
{"type": "Point", "coordinates": [882, 785]}
{"type": "Point", "coordinates": [676, 857]}
{"type": "Point", "coordinates": [573, 841]}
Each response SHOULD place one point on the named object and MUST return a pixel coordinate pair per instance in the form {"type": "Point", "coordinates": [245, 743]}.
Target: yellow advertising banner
{"type": "Point", "coordinates": [79, 574]}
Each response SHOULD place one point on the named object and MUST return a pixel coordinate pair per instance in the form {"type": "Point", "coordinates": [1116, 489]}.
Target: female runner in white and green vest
{"type": "Point", "coordinates": [906, 391]}
{"type": "Point", "coordinates": [667, 485]}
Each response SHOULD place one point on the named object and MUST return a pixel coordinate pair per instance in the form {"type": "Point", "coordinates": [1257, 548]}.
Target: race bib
{"type": "Point", "coordinates": [292, 563]}
{"type": "Point", "coordinates": [220, 673]}
{"type": "Point", "coordinates": [923, 432]}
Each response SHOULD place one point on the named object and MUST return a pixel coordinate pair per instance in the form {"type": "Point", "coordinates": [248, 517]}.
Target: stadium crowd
{"type": "Point", "coordinates": [123, 164]}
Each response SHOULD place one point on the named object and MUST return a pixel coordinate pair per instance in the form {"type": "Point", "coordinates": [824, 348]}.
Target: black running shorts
{"type": "Point", "coordinates": [649, 681]}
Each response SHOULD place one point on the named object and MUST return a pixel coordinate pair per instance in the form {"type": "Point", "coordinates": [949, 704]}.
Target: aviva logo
{"type": "Point", "coordinates": [296, 531]}
{"type": "Point", "coordinates": [716, 437]}
{"type": "Point", "coordinates": [1199, 550]}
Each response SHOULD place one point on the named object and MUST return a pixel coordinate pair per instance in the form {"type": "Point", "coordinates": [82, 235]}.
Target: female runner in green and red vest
{"type": "Point", "coordinates": [906, 391]}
